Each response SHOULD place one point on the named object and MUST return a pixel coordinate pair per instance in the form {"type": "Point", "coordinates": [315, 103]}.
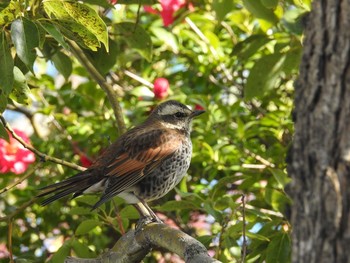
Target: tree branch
{"type": "Point", "coordinates": [107, 88]}
{"type": "Point", "coordinates": [136, 244]}
{"type": "Point", "coordinates": [42, 156]}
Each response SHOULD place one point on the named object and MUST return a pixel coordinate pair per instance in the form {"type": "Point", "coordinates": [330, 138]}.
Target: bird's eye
{"type": "Point", "coordinates": [180, 114]}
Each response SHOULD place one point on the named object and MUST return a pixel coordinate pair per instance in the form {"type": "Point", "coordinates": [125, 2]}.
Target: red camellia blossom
{"type": "Point", "coordinates": [169, 7]}
{"type": "Point", "coordinates": [13, 156]}
{"type": "Point", "coordinates": [198, 107]}
{"type": "Point", "coordinates": [161, 88]}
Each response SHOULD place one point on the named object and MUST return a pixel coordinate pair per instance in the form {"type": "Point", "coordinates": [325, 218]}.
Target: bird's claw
{"type": "Point", "coordinates": [143, 221]}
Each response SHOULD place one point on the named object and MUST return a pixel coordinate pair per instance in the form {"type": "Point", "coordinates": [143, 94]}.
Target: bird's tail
{"type": "Point", "coordinates": [76, 185]}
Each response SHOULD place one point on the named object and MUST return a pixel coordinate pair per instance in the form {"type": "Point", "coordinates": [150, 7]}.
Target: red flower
{"type": "Point", "coordinates": [198, 107]}
{"type": "Point", "coordinates": [13, 156]}
{"type": "Point", "coordinates": [85, 160]}
{"type": "Point", "coordinates": [161, 88]}
{"type": "Point", "coordinates": [169, 7]}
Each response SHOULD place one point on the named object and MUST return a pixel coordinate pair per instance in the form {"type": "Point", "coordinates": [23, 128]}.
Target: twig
{"type": "Point", "coordinates": [259, 158]}
{"type": "Point", "coordinates": [18, 210]}
{"type": "Point", "coordinates": [138, 78]}
{"type": "Point", "coordinates": [244, 245]}
{"type": "Point", "coordinates": [100, 80]}
{"type": "Point", "coordinates": [9, 240]}
{"type": "Point", "coordinates": [28, 173]}
{"type": "Point", "coordinates": [42, 156]}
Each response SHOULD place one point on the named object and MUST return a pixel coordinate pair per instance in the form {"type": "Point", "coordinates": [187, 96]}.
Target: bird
{"type": "Point", "coordinates": [142, 165]}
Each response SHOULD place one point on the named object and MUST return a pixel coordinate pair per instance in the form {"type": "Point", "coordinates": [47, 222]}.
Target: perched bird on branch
{"type": "Point", "coordinates": [142, 165]}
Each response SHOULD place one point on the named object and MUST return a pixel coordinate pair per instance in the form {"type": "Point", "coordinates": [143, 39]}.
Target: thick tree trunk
{"type": "Point", "coordinates": [320, 155]}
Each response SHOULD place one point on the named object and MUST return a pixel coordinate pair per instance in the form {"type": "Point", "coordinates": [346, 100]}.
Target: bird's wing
{"type": "Point", "coordinates": [141, 153]}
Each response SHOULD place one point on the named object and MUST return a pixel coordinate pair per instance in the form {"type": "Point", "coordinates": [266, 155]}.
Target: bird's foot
{"type": "Point", "coordinates": [145, 220]}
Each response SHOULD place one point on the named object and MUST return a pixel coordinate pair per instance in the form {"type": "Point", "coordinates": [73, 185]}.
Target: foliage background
{"type": "Point", "coordinates": [237, 59]}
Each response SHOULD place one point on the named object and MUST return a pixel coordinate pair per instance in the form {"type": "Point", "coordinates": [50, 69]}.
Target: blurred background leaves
{"type": "Point", "coordinates": [236, 59]}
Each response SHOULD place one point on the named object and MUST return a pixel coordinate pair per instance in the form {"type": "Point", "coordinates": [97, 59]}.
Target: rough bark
{"type": "Point", "coordinates": [320, 155]}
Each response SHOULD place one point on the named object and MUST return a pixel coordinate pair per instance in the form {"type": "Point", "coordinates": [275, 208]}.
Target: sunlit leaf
{"type": "Point", "coordinates": [263, 75]}
{"type": "Point", "coordinates": [260, 11]}
{"type": "Point", "coordinates": [86, 226]}
{"type": "Point", "coordinates": [279, 249]}
{"type": "Point", "coordinates": [81, 19]}
{"type": "Point", "coordinates": [10, 12]}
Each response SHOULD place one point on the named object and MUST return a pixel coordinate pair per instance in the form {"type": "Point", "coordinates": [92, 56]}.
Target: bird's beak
{"type": "Point", "coordinates": [195, 113]}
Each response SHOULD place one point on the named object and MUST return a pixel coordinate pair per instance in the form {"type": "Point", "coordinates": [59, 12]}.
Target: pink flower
{"type": "Point", "coordinates": [169, 7]}
{"type": "Point", "coordinates": [13, 156]}
{"type": "Point", "coordinates": [161, 88]}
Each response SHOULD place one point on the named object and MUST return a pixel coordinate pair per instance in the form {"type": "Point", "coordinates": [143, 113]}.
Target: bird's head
{"type": "Point", "coordinates": [174, 115]}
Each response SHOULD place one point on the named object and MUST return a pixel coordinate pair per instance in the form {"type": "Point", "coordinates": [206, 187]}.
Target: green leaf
{"type": "Point", "coordinates": [137, 38]}
{"type": "Point", "coordinates": [78, 210]}
{"type": "Point", "coordinates": [248, 47]}
{"type": "Point", "coordinates": [222, 8]}
{"type": "Point", "coordinates": [25, 37]}
{"type": "Point", "coordinates": [277, 199]}
{"type": "Point", "coordinates": [263, 75]}
{"type": "Point", "coordinates": [177, 205]}
{"type": "Point", "coordinates": [82, 250]}
{"type": "Point", "coordinates": [86, 21]}
{"type": "Point", "coordinates": [129, 212]}
{"type": "Point", "coordinates": [3, 133]}
{"type": "Point", "coordinates": [270, 3]}
{"type": "Point", "coordinates": [88, 17]}
{"type": "Point", "coordinates": [55, 33]}
{"type": "Point", "coordinates": [6, 66]}
{"type": "Point", "coordinates": [86, 226]}
{"type": "Point", "coordinates": [62, 253]}
{"type": "Point", "coordinates": [260, 11]}
{"type": "Point", "coordinates": [78, 33]}
{"type": "Point", "coordinates": [21, 91]}
{"type": "Point", "coordinates": [3, 101]}
{"type": "Point", "coordinates": [280, 176]}
{"type": "Point", "coordinates": [104, 60]}
{"type": "Point", "coordinates": [10, 12]}
{"type": "Point", "coordinates": [279, 249]}
{"type": "Point", "coordinates": [62, 63]}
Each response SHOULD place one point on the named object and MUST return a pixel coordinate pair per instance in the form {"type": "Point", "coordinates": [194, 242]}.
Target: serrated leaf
{"type": "Point", "coordinates": [82, 19]}
{"type": "Point", "coordinates": [3, 133]}
{"type": "Point", "coordinates": [10, 12]}
{"type": "Point", "coordinates": [260, 11]}
{"type": "Point", "coordinates": [25, 38]}
{"type": "Point", "coordinates": [88, 17]}
{"type": "Point", "coordinates": [263, 75]}
{"type": "Point", "coordinates": [137, 38]}
{"type": "Point", "coordinates": [279, 249]}
{"type": "Point", "coordinates": [86, 226]}
{"type": "Point", "coordinates": [55, 33]}
{"type": "Point", "coordinates": [62, 63]}
{"type": "Point", "coordinates": [21, 91]}
{"type": "Point", "coordinates": [6, 66]}
{"type": "Point", "coordinates": [78, 33]}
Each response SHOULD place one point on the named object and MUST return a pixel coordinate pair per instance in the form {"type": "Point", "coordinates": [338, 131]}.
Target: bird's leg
{"type": "Point", "coordinates": [147, 215]}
